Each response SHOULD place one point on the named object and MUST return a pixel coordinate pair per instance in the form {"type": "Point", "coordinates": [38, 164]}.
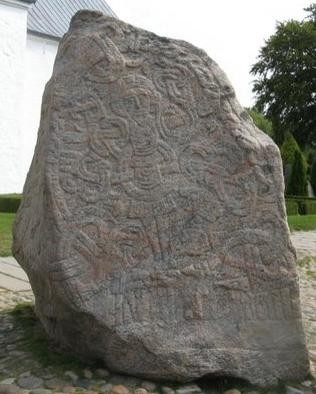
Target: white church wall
{"type": "Point", "coordinates": [26, 64]}
{"type": "Point", "coordinates": [13, 19]}
{"type": "Point", "coordinates": [39, 61]}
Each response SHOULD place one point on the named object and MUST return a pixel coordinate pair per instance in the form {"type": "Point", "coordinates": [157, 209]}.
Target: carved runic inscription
{"type": "Point", "coordinates": [156, 178]}
{"type": "Point", "coordinates": [153, 215]}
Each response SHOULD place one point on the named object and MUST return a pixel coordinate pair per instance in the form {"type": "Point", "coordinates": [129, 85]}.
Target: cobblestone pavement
{"type": "Point", "coordinates": [30, 364]}
{"type": "Point", "coordinates": [12, 277]}
{"type": "Point", "coordinates": [305, 244]}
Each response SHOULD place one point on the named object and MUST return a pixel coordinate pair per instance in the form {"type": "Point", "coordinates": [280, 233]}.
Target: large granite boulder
{"type": "Point", "coordinates": [153, 227]}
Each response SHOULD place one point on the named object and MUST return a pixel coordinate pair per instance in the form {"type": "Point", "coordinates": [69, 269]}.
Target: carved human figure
{"type": "Point", "coordinates": [137, 101]}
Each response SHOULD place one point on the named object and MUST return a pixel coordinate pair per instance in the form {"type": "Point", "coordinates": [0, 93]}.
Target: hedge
{"type": "Point", "coordinates": [301, 198]}
{"type": "Point", "coordinates": [297, 183]}
{"type": "Point", "coordinates": [289, 148]}
{"type": "Point", "coordinates": [294, 167]}
{"type": "Point", "coordinates": [311, 207]}
{"type": "Point", "coordinates": [291, 207]}
{"type": "Point", "coordinates": [313, 176]}
{"type": "Point", "coordinates": [10, 202]}
{"type": "Point", "coordinates": [296, 205]}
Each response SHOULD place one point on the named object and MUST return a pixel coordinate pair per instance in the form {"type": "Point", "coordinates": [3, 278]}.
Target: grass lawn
{"type": "Point", "coordinates": [6, 220]}
{"type": "Point", "coordinates": [13, 195]}
{"type": "Point", "coordinates": [303, 223]}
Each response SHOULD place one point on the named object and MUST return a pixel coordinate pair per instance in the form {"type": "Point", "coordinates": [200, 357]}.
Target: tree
{"type": "Point", "coordinates": [289, 151]}
{"type": "Point", "coordinates": [311, 12]}
{"type": "Point", "coordinates": [313, 176]}
{"type": "Point", "coordinates": [285, 83]}
{"type": "Point", "coordinates": [261, 121]}
{"type": "Point", "coordinates": [298, 180]}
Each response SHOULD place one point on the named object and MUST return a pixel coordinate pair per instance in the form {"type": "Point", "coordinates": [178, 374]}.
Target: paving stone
{"type": "Point", "coordinates": [100, 382]}
{"type": "Point", "coordinates": [119, 389]}
{"type": "Point", "coordinates": [131, 381]}
{"type": "Point", "coordinates": [251, 392]}
{"type": "Point", "coordinates": [293, 390]}
{"type": "Point", "coordinates": [13, 284]}
{"type": "Point", "coordinates": [41, 391]}
{"type": "Point", "coordinates": [167, 390]}
{"type": "Point", "coordinates": [149, 386]}
{"type": "Point", "coordinates": [307, 383]}
{"type": "Point", "coordinates": [141, 391]}
{"type": "Point", "coordinates": [55, 384]}
{"type": "Point", "coordinates": [87, 374]}
{"type": "Point", "coordinates": [106, 388]}
{"type": "Point", "coordinates": [72, 375]}
{"type": "Point", "coordinates": [8, 381]}
{"type": "Point", "coordinates": [232, 391]}
{"type": "Point", "coordinates": [13, 271]}
{"type": "Point", "coordinates": [30, 382]}
{"type": "Point", "coordinates": [189, 389]}
{"type": "Point", "coordinates": [84, 383]}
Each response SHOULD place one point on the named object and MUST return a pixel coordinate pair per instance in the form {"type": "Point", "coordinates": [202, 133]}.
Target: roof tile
{"type": "Point", "coordinates": [52, 17]}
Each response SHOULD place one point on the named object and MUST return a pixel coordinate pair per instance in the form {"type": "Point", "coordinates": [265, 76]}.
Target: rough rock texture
{"type": "Point", "coordinates": [153, 227]}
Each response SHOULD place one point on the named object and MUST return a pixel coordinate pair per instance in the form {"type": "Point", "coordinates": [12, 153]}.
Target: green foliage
{"type": "Point", "coordinates": [10, 202]}
{"type": "Point", "coordinates": [289, 150]}
{"type": "Point", "coordinates": [310, 155]}
{"type": "Point", "coordinates": [303, 223]}
{"type": "Point", "coordinates": [298, 179]}
{"type": "Point", "coordinates": [313, 176]}
{"type": "Point", "coordinates": [298, 205]}
{"type": "Point", "coordinates": [261, 121]}
{"type": "Point", "coordinates": [310, 207]}
{"type": "Point", "coordinates": [291, 207]}
{"type": "Point", "coordinates": [311, 12]}
{"type": "Point", "coordinates": [285, 83]}
{"type": "Point", "coordinates": [6, 221]}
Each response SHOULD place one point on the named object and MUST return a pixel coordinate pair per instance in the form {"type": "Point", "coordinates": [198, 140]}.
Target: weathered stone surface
{"type": "Point", "coordinates": [8, 381]}
{"type": "Point", "coordinates": [189, 389]}
{"type": "Point", "coordinates": [71, 375]}
{"type": "Point", "coordinates": [30, 382]}
{"type": "Point", "coordinates": [153, 227]}
{"type": "Point", "coordinates": [140, 390]}
{"type": "Point", "coordinates": [119, 389]}
{"type": "Point", "coordinates": [149, 386]}
{"type": "Point", "coordinates": [56, 384]}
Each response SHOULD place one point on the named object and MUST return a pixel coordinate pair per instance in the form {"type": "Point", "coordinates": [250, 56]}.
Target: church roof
{"type": "Point", "coordinates": [52, 17]}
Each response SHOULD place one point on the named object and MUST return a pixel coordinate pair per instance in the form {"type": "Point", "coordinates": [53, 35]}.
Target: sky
{"type": "Point", "coordinates": [231, 32]}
